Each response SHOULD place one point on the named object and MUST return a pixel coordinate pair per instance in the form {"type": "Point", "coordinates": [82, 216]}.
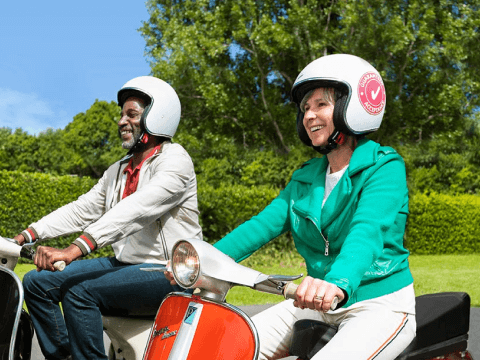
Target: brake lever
{"type": "Point", "coordinates": [284, 277]}
{"type": "Point", "coordinates": [27, 251]}
{"type": "Point", "coordinates": [274, 284]}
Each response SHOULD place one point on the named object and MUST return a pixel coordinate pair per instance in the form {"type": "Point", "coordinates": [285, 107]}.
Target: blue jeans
{"type": "Point", "coordinates": [87, 289]}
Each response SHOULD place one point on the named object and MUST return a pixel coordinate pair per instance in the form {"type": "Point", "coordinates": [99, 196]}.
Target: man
{"type": "Point", "coordinates": [141, 206]}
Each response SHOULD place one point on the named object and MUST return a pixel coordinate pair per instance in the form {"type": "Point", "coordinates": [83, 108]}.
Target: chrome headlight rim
{"type": "Point", "coordinates": [184, 249]}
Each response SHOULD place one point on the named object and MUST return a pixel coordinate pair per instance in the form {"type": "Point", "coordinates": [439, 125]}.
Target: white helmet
{"type": "Point", "coordinates": [162, 111]}
{"type": "Point", "coordinates": [360, 95]}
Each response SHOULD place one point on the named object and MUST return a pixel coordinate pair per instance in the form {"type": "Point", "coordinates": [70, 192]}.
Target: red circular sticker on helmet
{"type": "Point", "coordinates": [371, 93]}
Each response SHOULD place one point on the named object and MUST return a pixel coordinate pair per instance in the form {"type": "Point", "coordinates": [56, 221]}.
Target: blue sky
{"type": "Point", "coordinates": [57, 57]}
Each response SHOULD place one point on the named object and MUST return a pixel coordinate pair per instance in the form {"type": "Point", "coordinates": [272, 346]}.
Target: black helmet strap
{"type": "Point", "coordinates": [333, 141]}
{"type": "Point", "coordinates": [140, 145]}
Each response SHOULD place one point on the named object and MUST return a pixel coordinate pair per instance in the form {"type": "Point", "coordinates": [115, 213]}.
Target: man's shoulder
{"type": "Point", "coordinates": [173, 149]}
{"type": "Point", "coordinates": [119, 163]}
{"type": "Point", "coordinates": [168, 146]}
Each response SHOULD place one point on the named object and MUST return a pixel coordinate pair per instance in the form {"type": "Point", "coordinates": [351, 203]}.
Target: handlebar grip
{"type": "Point", "coordinates": [290, 289]}
{"type": "Point", "coordinates": [59, 265]}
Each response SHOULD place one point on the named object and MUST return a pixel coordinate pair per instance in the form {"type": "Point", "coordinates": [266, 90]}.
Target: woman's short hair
{"type": "Point", "coordinates": [330, 95]}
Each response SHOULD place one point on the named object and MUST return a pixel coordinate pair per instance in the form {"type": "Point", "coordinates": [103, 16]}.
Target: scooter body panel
{"type": "Point", "coordinates": [189, 327]}
{"type": "Point", "coordinates": [128, 335]}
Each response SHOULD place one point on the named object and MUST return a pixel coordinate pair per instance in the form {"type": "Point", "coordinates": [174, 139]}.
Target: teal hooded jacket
{"type": "Point", "coordinates": [356, 240]}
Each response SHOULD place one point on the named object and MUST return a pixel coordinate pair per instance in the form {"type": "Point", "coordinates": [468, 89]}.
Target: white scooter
{"type": "Point", "coordinates": [16, 328]}
{"type": "Point", "coordinates": [203, 326]}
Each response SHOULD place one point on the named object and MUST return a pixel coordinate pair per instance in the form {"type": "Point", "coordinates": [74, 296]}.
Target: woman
{"type": "Point", "coordinates": [347, 213]}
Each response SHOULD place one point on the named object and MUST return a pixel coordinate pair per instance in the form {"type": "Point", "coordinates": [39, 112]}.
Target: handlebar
{"type": "Point", "coordinates": [290, 289]}
{"type": "Point", "coordinates": [59, 265]}
{"type": "Point", "coordinates": [27, 253]}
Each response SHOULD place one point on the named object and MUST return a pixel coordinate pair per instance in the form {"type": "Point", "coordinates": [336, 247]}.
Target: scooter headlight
{"type": "Point", "coordinates": [185, 264]}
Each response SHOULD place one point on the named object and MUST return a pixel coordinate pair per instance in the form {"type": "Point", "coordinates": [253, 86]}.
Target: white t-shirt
{"type": "Point", "coordinates": [331, 180]}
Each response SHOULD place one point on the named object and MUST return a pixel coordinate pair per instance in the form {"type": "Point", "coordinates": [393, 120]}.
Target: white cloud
{"type": "Point", "coordinates": [29, 112]}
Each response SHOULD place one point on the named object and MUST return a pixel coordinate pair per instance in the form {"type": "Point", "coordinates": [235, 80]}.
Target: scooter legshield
{"type": "Point", "coordinates": [188, 327]}
{"type": "Point", "coordinates": [11, 300]}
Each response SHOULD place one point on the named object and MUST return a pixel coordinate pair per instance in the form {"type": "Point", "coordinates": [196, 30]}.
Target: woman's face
{"type": "Point", "coordinates": [318, 118]}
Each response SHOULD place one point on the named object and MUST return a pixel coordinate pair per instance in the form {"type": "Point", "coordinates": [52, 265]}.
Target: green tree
{"type": "Point", "coordinates": [17, 149]}
{"type": "Point", "coordinates": [233, 63]}
{"type": "Point", "coordinates": [446, 163]}
{"type": "Point", "coordinates": [52, 154]}
{"type": "Point", "coordinates": [93, 137]}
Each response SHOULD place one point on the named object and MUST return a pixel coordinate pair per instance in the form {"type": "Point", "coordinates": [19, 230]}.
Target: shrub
{"type": "Point", "coordinates": [443, 224]}
{"type": "Point", "coordinates": [225, 207]}
{"type": "Point", "coordinates": [27, 197]}
{"type": "Point", "coordinates": [438, 223]}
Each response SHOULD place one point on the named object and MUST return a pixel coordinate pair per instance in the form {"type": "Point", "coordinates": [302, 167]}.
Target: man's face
{"type": "Point", "coordinates": [129, 123]}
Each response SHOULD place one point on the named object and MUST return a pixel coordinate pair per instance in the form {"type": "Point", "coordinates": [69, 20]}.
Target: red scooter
{"type": "Point", "coordinates": [204, 326]}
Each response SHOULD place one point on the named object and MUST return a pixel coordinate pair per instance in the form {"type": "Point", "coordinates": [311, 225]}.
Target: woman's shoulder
{"type": "Point", "coordinates": [369, 151]}
{"type": "Point", "coordinates": [309, 169]}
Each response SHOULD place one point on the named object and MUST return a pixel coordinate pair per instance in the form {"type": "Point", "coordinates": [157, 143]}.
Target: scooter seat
{"type": "Point", "coordinates": [443, 321]}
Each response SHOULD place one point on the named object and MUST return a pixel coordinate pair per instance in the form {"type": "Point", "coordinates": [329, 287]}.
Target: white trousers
{"type": "Point", "coordinates": [379, 328]}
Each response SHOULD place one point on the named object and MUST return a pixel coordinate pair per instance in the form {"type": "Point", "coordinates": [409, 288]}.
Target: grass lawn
{"type": "Point", "coordinates": [432, 273]}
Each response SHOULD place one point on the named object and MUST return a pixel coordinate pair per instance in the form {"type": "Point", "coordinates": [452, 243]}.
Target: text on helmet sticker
{"type": "Point", "coordinates": [371, 93]}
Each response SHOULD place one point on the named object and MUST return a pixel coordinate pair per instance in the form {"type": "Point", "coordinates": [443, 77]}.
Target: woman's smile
{"type": "Point", "coordinates": [318, 118]}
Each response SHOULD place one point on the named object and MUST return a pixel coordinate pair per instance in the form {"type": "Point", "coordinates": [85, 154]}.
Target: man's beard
{"type": "Point", "coordinates": [137, 133]}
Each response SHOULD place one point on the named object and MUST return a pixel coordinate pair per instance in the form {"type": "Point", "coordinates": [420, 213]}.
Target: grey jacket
{"type": "Point", "coordinates": [163, 206]}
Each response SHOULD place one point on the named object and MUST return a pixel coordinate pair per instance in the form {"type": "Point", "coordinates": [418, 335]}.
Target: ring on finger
{"type": "Point", "coordinates": [319, 297]}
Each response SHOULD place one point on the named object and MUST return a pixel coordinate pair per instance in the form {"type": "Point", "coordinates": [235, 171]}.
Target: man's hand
{"type": "Point", "coordinates": [169, 275]}
{"type": "Point", "coordinates": [20, 239]}
{"type": "Point", "coordinates": [46, 256]}
{"type": "Point", "coordinates": [317, 294]}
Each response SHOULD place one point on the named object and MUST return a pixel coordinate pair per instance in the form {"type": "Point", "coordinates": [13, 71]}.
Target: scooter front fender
{"type": "Point", "coordinates": [189, 327]}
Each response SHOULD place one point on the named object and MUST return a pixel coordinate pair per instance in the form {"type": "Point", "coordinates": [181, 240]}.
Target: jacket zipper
{"type": "Point", "coordinates": [327, 243]}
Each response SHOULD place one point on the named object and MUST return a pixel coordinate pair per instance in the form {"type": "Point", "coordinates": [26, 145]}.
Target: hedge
{"type": "Point", "coordinates": [225, 207]}
{"type": "Point", "coordinates": [443, 224]}
{"type": "Point", "coordinates": [26, 197]}
{"type": "Point", "coordinates": [438, 223]}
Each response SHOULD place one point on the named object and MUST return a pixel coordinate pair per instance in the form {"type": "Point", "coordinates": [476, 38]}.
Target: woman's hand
{"type": "Point", "coordinates": [46, 256]}
{"type": "Point", "coordinates": [316, 294]}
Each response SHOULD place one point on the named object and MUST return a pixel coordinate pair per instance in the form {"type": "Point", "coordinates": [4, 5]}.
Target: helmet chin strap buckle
{"type": "Point", "coordinates": [144, 138]}
{"type": "Point", "coordinates": [337, 138]}
{"type": "Point", "coordinates": [341, 139]}
{"type": "Point", "coordinates": [140, 144]}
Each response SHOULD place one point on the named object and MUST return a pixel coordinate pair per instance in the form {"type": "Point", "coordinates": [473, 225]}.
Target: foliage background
{"type": "Point", "coordinates": [233, 65]}
{"type": "Point", "coordinates": [438, 223]}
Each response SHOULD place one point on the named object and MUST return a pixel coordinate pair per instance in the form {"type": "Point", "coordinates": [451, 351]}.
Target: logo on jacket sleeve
{"type": "Point", "coordinates": [371, 93]}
